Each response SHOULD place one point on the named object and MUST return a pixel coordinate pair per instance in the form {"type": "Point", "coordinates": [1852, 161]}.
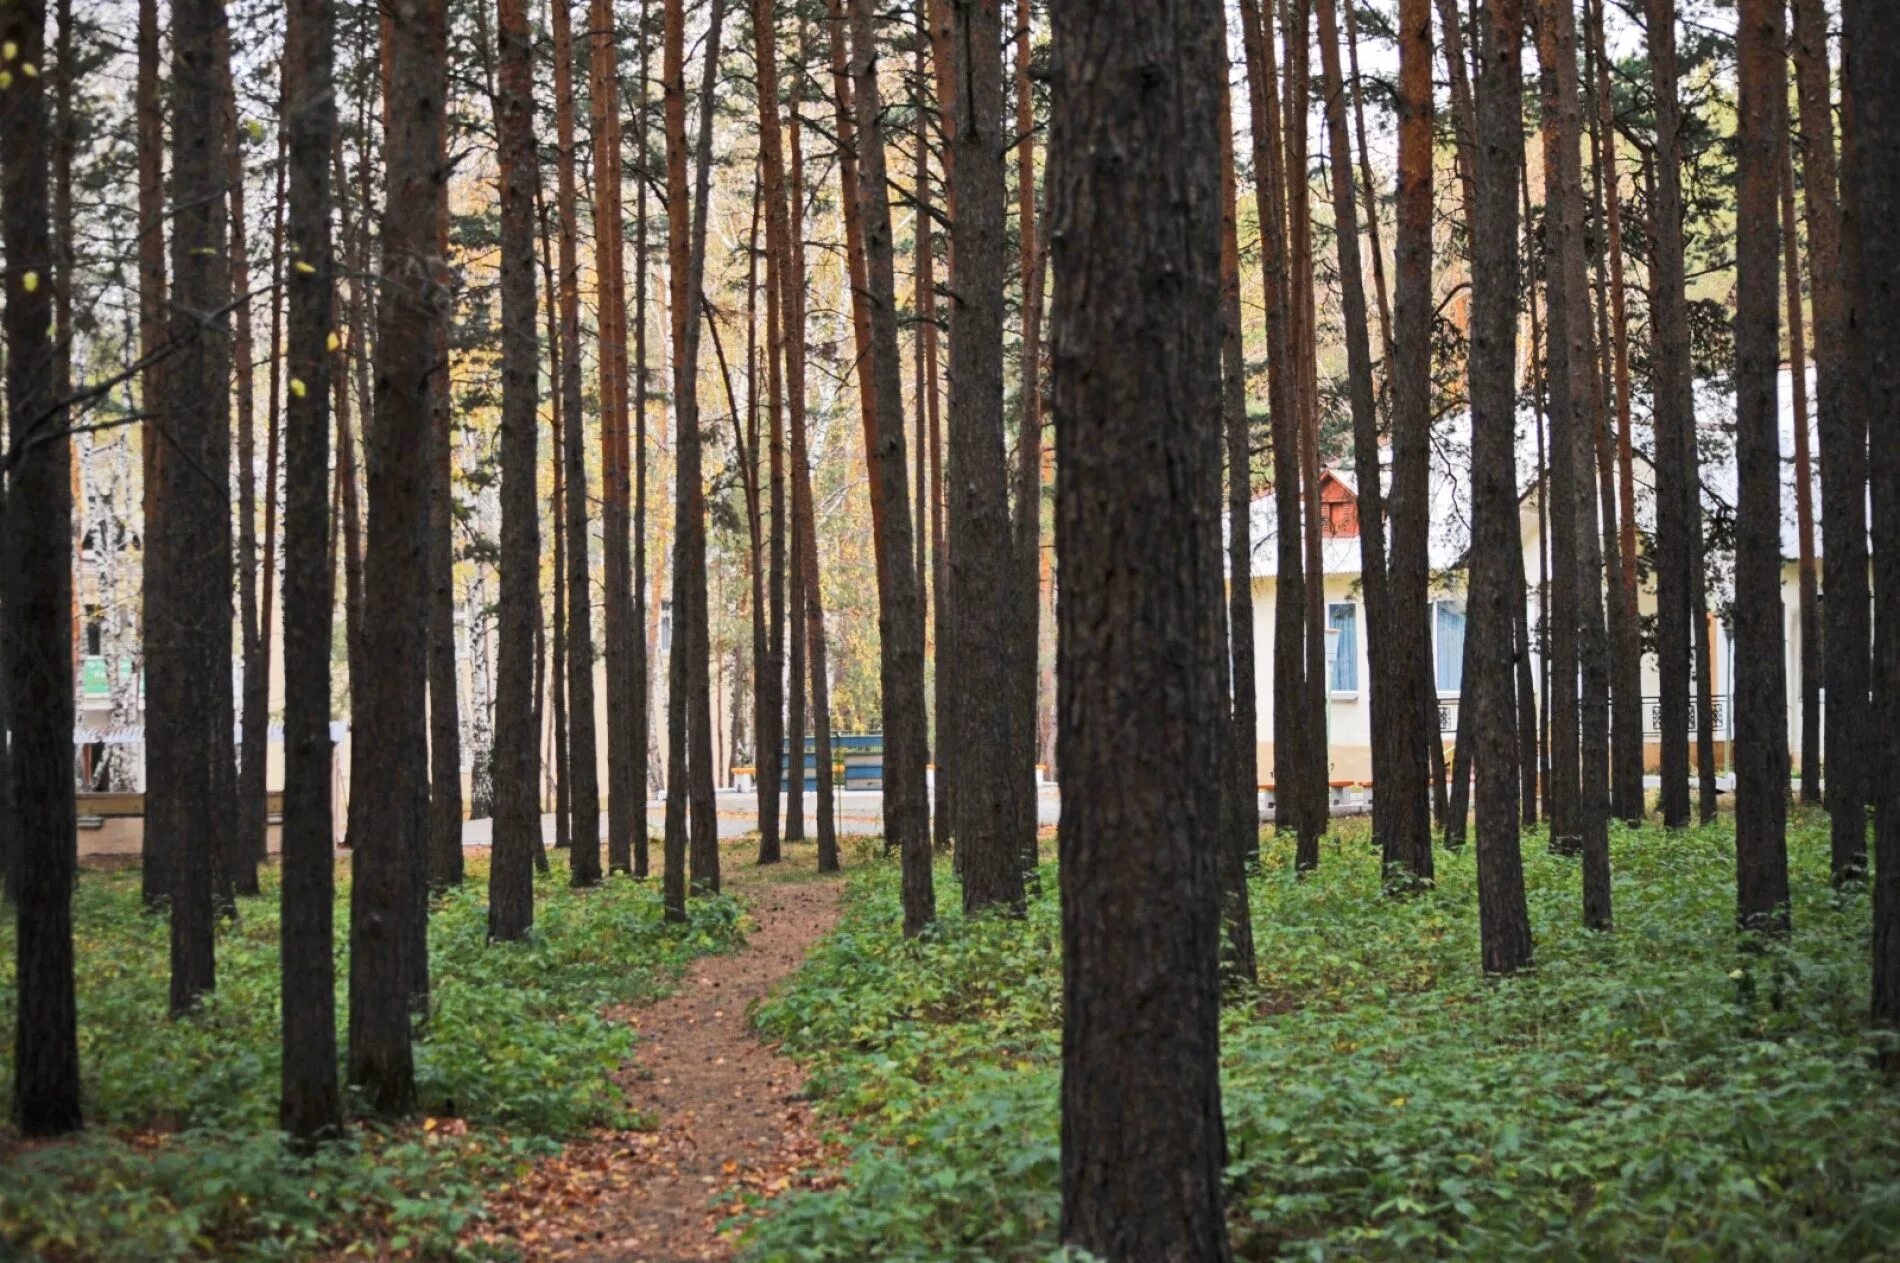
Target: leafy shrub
{"type": "Point", "coordinates": [1665, 1090]}
{"type": "Point", "coordinates": [185, 1159]}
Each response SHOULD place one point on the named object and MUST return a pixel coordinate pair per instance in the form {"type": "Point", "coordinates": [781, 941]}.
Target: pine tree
{"type": "Point", "coordinates": [36, 581]}
{"type": "Point", "coordinates": [311, 1105]}
{"type": "Point", "coordinates": [1135, 245]}
{"type": "Point", "coordinates": [517, 804]}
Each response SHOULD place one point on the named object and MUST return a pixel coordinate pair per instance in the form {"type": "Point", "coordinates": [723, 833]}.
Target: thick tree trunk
{"type": "Point", "coordinates": [1135, 205]}
{"type": "Point", "coordinates": [900, 624]}
{"type": "Point", "coordinates": [1497, 552]}
{"type": "Point", "coordinates": [188, 764]}
{"type": "Point", "coordinates": [311, 1107]}
{"type": "Point", "coordinates": [385, 972]}
{"type": "Point", "coordinates": [445, 721]}
{"type": "Point", "coordinates": [517, 804]}
{"type": "Point", "coordinates": [626, 744]}
{"type": "Point", "coordinates": [983, 617]}
{"type": "Point", "coordinates": [1761, 696]}
{"type": "Point", "coordinates": [582, 759]}
{"type": "Point", "coordinates": [156, 847]}
{"type": "Point", "coordinates": [1678, 499]}
{"type": "Point", "coordinates": [1872, 259]}
{"type": "Point", "coordinates": [1842, 432]}
{"type": "Point", "coordinates": [37, 569]}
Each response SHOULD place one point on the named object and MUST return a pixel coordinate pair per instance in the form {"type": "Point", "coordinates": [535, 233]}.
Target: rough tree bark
{"type": "Point", "coordinates": [311, 1104]}
{"type": "Point", "coordinates": [36, 568]}
{"type": "Point", "coordinates": [1872, 110]}
{"type": "Point", "coordinates": [388, 696]}
{"type": "Point", "coordinates": [1842, 434]}
{"type": "Point", "coordinates": [1027, 548]}
{"type": "Point", "coordinates": [1240, 815]}
{"type": "Point", "coordinates": [156, 858]}
{"type": "Point", "coordinates": [982, 613]}
{"type": "Point", "coordinates": [517, 802]}
{"type": "Point", "coordinates": [1496, 590]}
{"type": "Point", "coordinates": [583, 764]}
{"type": "Point", "coordinates": [1581, 731]}
{"type": "Point", "coordinates": [900, 623]}
{"type": "Point", "coordinates": [1678, 515]}
{"type": "Point", "coordinates": [1619, 478]}
{"type": "Point", "coordinates": [1806, 576]}
{"type": "Point", "coordinates": [1134, 182]}
{"type": "Point", "coordinates": [626, 744]}
{"type": "Point", "coordinates": [769, 688]}
{"type": "Point", "coordinates": [189, 560]}
{"type": "Point", "coordinates": [1761, 692]}
{"type": "Point", "coordinates": [1290, 737]}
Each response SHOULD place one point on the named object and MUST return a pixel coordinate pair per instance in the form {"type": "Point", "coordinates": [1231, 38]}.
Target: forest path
{"type": "Point", "coordinates": [732, 1114]}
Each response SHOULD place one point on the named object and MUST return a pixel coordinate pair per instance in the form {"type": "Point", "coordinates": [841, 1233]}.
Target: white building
{"type": "Point", "coordinates": [1349, 738]}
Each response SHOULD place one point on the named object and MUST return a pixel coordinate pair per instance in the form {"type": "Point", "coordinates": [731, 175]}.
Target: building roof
{"type": "Point", "coordinates": [1450, 501]}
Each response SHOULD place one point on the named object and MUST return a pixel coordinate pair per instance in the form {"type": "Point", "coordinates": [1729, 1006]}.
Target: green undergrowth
{"type": "Point", "coordinates": [1660, 1091]}
{"type": "Point", "coordinates": [182, 1159]}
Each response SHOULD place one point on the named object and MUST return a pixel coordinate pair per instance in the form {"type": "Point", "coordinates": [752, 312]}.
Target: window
{"type": "Point", "coordinates": [1344, 619]}
{"type": "Point", "coordinates": [1449, 621]}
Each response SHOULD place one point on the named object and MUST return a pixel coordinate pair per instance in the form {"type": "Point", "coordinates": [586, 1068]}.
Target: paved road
{"type": "Point", "coordinates": [860, 812]}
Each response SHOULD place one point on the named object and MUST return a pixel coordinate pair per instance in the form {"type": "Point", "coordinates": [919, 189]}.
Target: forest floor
{"type": "Point", "coordinates": [733, 1126]}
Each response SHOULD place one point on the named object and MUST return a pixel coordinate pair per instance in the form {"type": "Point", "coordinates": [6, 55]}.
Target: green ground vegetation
{"type": "Point", "coordinates": [182, 1159]}
{"type": "Point", "coordinates": [1662, 1091]}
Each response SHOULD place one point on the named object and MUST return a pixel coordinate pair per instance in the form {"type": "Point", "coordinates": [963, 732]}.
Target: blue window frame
{"type": "Point", "coordinates": [1450, 619]}
{"type": "Point", "coordinates": [1344, 619]}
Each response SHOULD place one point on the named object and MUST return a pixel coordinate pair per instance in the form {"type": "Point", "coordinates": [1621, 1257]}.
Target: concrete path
{"type": "Point", "coordinates": [860, 813]}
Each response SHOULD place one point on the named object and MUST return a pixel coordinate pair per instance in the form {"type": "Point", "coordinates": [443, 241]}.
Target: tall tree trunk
{"type": "Point", "coordinates": [1136, 248]}
{"type": "Point", "coordinates": [1619, 478]}
{"type": "Point", "coordinates": [189, 662]}
{"type": "Point", "coordinates": [445, 723]}
{"type": "Point", "coordinates": [311, 1106]}
{"type": "Point", "coordinates": [157, 857]}
{"type": "Point", "coordinates": [1290, 737]}
{"type": "Point", "coordinates": [249, 808]}
{"type": "Point", "coordinates": [1872, 111]}
{"type": "Point", "coordinates": [1842, 432]}
{"type": "Point", "coordinates": [1807, 579]}
{"type": "Point", "coordinates": [37, 570]}
{"type": "Point", "coordinates": [1581, 740]}
{"type": "Point", "coordinates": [626, 745]}
{"type": "Point", "coordinates": [1496, 588]}
{"type": "Point", "coordinates": [1027, 634]}
{"type": "Point", "coordinates": [1678, 499]}
{"type": "Point", "coordinates": [797, 678]}
{"type": "Point", "coordinates": [1239, 845]}
{"type": "Point", "coordinates": [1296, 20]}
{"type": "Point", "coordinates": [769, 687]}
{"type": "Point", "coordinates": [384, 971]}
{"type": "Point", "coordinates": [517, 804]}
{"type": "Point", "coordinates": [900, 625]}
{"type": "Point", "coordinates": [689, 766]}
{"type": "Point", "coordinates": [1761, 697]}
{"type": "Point", "coordinates": [557, 523]}
{"type": "Point", "coordinates": [583, 761]}
{"type": "Point", "coordinates": [642, 654]}
{"type": "Point", "coordinates": [982, 614]}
